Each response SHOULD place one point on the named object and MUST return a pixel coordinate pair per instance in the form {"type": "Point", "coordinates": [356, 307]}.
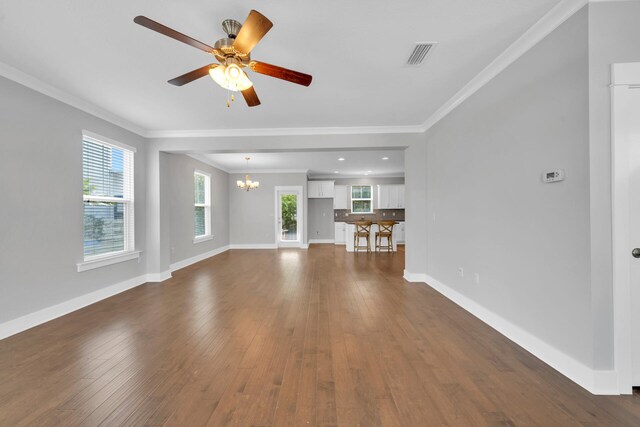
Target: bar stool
{"type": "Point", "coordinates": [363, 230]}
{"type": "Point", "coordinates": [385, 230]}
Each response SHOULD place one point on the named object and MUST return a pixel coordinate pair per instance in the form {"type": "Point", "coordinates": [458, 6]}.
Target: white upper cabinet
{"type": "Point", "coordinates": [320, 189]}
{"type": "Point", "coordinates": [340, 199]}
{"type": "Point", "coordinates": [390, 196]}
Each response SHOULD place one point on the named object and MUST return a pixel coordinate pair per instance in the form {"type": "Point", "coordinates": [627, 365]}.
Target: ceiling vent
{"type": "Point", "coordinates": [421, 51]}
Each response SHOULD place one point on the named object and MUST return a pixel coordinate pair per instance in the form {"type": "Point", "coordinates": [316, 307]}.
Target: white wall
{"type": "Point", "coordinates": [252, 213]}
{"type": "Point", "coordinates": [614, 37]}
{"type": "Point", "coordinates": [529, 241]}
{"type": "Point", "coordinates": [181, 223]}
{"type": "Point", "coordinates": [41, 237]}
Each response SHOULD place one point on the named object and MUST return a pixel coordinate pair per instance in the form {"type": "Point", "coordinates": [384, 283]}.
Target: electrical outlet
{"type": "Point", "coordinates": [461, 271]}
{"type": "Point", "coordinates": [434, 217]}
{"type": "Point", "coordinates": [477, 276]}
{"type": "Point", "coordinates": [394, 214]}
{"type": "Point", "coordinates": [384, 214]}
{"type": "Point", "coordinates": [173, 250]}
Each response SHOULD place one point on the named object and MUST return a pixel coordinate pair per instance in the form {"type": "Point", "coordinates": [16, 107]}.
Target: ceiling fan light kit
{"type": "Point", "coordinates": [233, 54]}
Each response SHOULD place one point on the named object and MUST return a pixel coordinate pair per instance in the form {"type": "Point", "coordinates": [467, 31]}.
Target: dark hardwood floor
{"type": "Point", "coordinates": [287, 337]}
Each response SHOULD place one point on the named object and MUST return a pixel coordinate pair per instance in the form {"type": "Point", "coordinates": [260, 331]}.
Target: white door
{"type": "Point", "coordinates": [628, 115]}
{"type": "Point", "coordinates": [288, 217]}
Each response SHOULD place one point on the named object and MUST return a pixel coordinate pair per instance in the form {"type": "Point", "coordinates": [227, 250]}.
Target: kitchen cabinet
{"type": "Point", "coordinates": [320, 189]}
{"type": "Point", "coordinates": [340, 233]}
{"type": "Point", "coordinates": [390, 196]}
{"type": "Point", "coordinates": [340, 199]}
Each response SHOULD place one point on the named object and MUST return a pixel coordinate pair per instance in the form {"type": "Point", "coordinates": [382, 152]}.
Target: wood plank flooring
{"type": "Point", "coordinates": [286, 337]}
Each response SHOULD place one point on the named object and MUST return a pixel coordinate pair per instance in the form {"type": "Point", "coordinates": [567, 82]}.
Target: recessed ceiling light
{"type": "Point", "coordinates": [341, 159]}
{"type": "Point", "coordinates": [366, 173]}
{"type": "Point", "coordinates": [369, 171]}
{"type": "Point", "coordinates": [385, 158]}
{"type": "Point", "coordinates": [336, 172]}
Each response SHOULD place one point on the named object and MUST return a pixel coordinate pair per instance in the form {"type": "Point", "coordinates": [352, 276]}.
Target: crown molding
{"type": "Point", "coordinates": [33, 83]}
{"type": "Point", "coordinates": [549, 22]}
{"type": "Point", "coordinates": [259, 171]}
{"type": "Point", "coordinates": [348, 130]}
{"type": "Point", "coordinates": [361, 176]}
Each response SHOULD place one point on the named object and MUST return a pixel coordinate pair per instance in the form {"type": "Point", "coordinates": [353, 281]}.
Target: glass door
{"type": "Point", "coordinates": [289, 230]}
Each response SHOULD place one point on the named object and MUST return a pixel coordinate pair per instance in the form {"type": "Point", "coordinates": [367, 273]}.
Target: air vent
{"type": "Point", "coordinates": [421, 51]}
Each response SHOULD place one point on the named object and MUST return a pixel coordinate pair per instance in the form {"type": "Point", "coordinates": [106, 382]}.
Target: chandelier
{"type": "Point", "coordinates": [247, 183]}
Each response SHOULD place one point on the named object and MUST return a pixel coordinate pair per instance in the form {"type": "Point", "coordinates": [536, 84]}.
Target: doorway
{"type": "Point", "coordinates": [289, 222]}
{"type": "Point", "coordinates": [625, 121]}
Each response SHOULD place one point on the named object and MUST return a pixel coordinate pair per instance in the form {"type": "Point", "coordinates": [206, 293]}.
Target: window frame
{"type": "Point", "coordinates": [370, 199]}
{"type": "Point", "coordinates": [208, 234]}
{"type": "Point", "coordinates": [128, 200]}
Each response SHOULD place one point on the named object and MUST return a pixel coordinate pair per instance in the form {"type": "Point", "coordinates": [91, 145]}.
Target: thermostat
{"type": "Point", "coordinates": [553, 175]}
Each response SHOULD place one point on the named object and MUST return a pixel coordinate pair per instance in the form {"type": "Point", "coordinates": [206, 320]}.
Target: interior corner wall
{"type": "Point", "coordinates": [320, 219]}
{"type": "Point", "coordinates": [181, 224]}
{"type": "Point", "coordinates": [41, 236]}
{"type": "Point", "coordinates": [488, 209]}
{"type": "Point", "coordinates": [614, 37]}
{"type": "Point", "coordinates": [415, 184]}
{"type": "Point", "coordinates": [252, 213]}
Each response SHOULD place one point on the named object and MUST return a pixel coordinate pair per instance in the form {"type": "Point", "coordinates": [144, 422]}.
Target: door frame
{"type": "Point", "coordinates": [622, 76]}
{"type": "Point", "coordinates": [300, 211]}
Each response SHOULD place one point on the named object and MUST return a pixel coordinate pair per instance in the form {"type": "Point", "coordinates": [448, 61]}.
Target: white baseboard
{"type": "Point", "coordinates": [159, 277]}
{"type": "Point", "coordinates": [39, 317]}
{"type": "Point", "coordinates": [313, 241]}
{"type": "Point", "coordinates": [595, 381]}
{"type": "Point", "coordinates": [187, 262]}
{"type": "Point", "coordinates": [254, 246]}
{"type": "Point", "coordinates": [414, 277]}
{"type": "Point", "coordinates": [305, 245]}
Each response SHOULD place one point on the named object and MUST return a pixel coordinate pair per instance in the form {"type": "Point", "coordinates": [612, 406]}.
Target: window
{"type": "Point", "coordinates": [361, 201]}
{"type": "Point", "coordinates": [202, 206]}
{"type": "Point", "coordinates": [107, 188]}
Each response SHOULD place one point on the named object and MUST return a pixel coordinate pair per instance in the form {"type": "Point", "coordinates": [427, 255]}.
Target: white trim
{"type": "Point", "coordinates": [256, 171]}
{"type": "Point", "coordinates": [349, 130]}
{"type": "Point", "coordinates": [187, 262]}
{"type": "Point", "coordinates": [39, 317]}
{"type": "Point", "coordinates": [414, 277]}
{"type": "Point", "coordinates": [159, 277]}
{"type": "Point", "coordinates": [201, 172]}
{"type": "Point", "coordinates": [321, 241]}
{"type": "Point", "coordinates": [31, 82]}
{"type": "Point", "coordinates": [254, 246]}
{"type": "Point", "coordinates": [595, 381]}
{"type": "Point", "coordinates": [304, 246]}
{"type": "Point", "coordinates": [97, 262]}
{"type": "Point", "coordinates": [621, 244]}
{"type": "Point", "coordinates": [202, 238]}
{"type": "Point", "coordinates": [94, 137]}
{"type": "Point", "coordinates": [549, 22]}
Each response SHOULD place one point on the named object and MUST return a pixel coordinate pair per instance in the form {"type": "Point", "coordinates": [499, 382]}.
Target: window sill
{"type": "Point", "coordinates": [201, 239]}
{"type": "Point", "coordinates": [107, 260]}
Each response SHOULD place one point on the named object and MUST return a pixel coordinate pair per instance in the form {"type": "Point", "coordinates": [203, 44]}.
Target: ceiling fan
{"type": "Point", "coordinates": [233, 53]}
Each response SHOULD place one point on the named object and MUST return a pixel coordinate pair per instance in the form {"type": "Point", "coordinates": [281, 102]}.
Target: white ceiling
{"type": "Point", "coordinates": [355, 51]}
{"type": "Point", "coordinates": [315, 163]}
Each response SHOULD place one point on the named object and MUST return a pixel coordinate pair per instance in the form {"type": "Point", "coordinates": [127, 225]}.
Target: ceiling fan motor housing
{"type": "Point", "coordinates": [231, 27]}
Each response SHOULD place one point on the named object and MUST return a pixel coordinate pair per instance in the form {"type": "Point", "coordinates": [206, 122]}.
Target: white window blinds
{"type": "Point", "coordinates": [107, 183]}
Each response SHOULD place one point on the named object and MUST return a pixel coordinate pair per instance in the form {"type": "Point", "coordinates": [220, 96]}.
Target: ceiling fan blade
{"type": "Point", "coordinates": [192, 75]}
{"type": "Point", "coordinates": [281, 73]}
{"type": "Point", "coordinates": [252, 31]}
{"type": "Point", "coordinates": [163, 29]}
{"type": "Point", "coordinates": [251, 97]}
